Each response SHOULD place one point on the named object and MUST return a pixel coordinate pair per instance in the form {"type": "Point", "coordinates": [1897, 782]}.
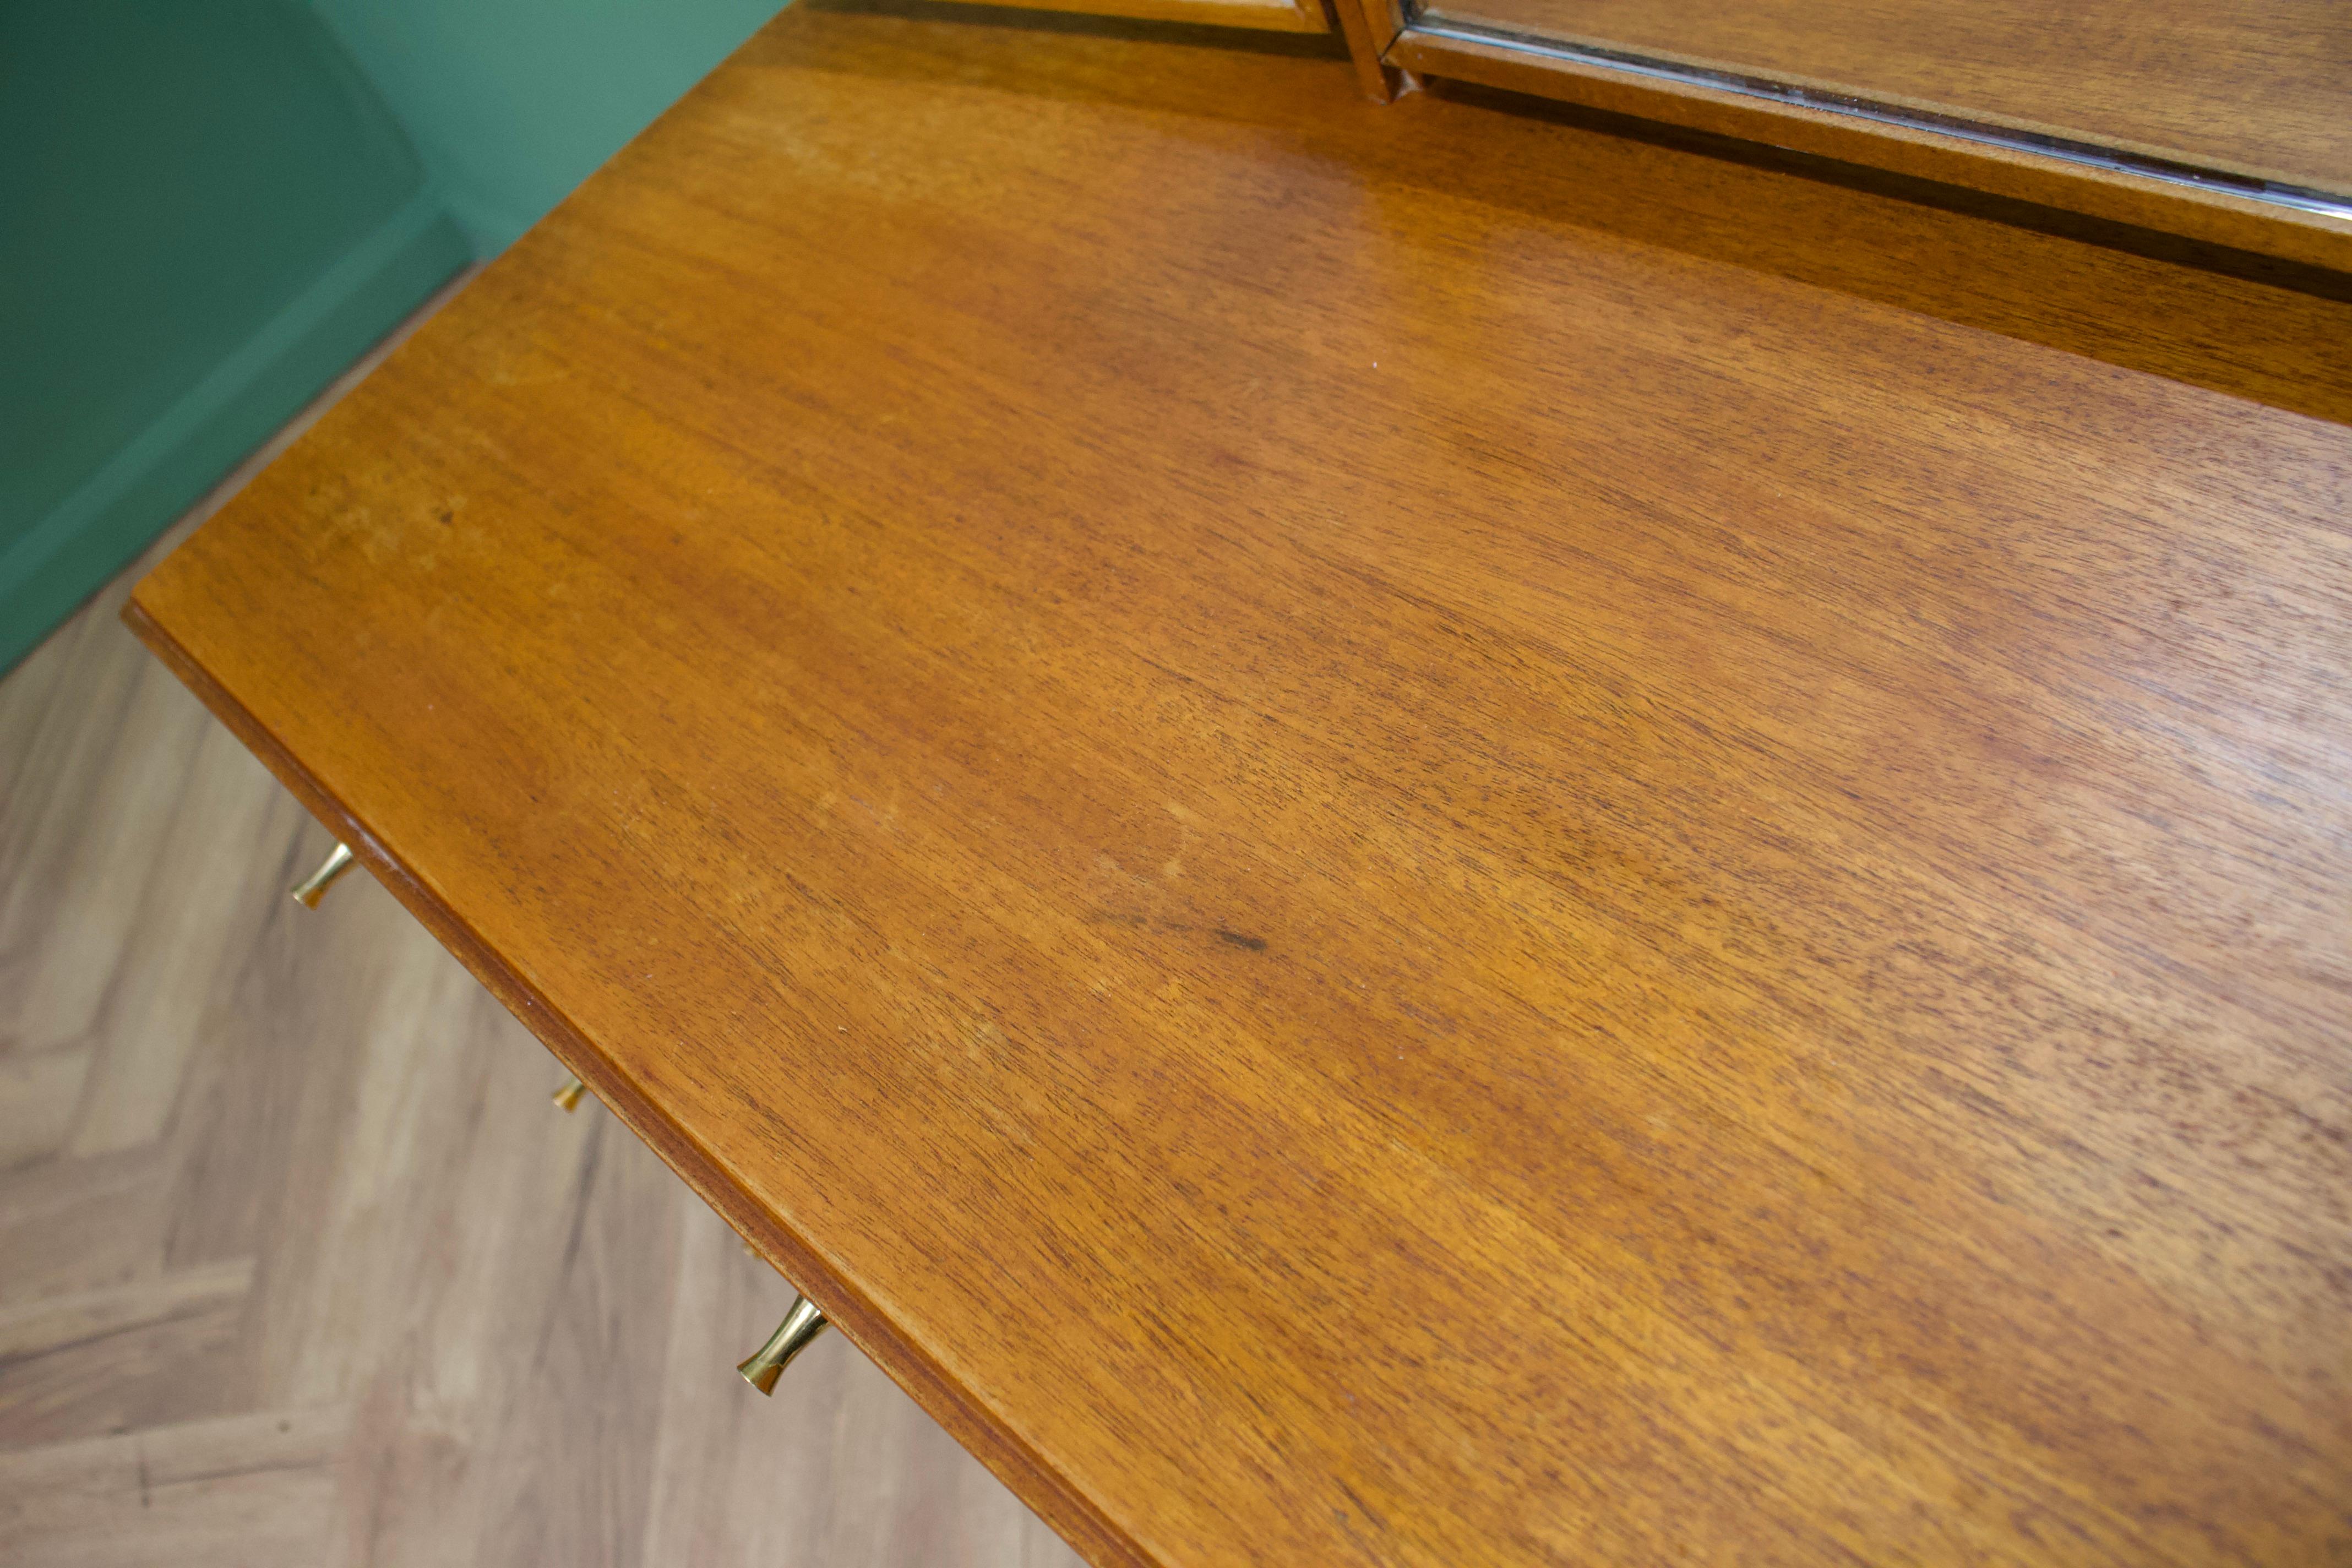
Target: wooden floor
{"type": "Point", "coordinates": [298, 1264]}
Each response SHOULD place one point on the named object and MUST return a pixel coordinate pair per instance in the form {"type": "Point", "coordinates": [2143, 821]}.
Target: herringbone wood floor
{"type": "Point", "coordinates": [298, 1266]}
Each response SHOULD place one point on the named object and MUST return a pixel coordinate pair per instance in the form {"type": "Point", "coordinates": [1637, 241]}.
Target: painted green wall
{"type": "Point", "coordinates": [206, 214]}
{"type": "Point", "coordinates": [513, 102]}
{"type": "Point", "coordinates": [208, 210]}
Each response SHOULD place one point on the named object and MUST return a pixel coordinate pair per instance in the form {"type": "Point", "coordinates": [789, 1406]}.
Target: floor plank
{"type": "Point", "coordinates": [297, 1264]}
{"type": "Point", "coordinates": [254, 1490]}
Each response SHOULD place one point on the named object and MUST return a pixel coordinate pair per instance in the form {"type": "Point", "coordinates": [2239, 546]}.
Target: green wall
{"type": "Point", "coordinates": [206, 213]}
{"type": "Point", "coordinates": [208, 210]}
{"type": "Point", "coordinates": [513, 102]}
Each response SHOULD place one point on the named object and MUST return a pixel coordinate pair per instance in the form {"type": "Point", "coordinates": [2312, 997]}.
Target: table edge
{"type": "Point", "coordinates": [1053, 1498]}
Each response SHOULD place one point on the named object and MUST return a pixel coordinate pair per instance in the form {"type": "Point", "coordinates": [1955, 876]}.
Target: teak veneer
{"type": "Point", "coordinates": [2222, 125]}
{"type": "Point", "coordinates": [1414, 835]}
{"type": "Point", "coordinates": [2255, 87]}
{"type": "Point", "coordinates": [1274, 15]}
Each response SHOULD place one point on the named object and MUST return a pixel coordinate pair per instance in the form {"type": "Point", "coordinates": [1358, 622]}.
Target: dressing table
{"type": "Point", "coordinates": [1447, 831]}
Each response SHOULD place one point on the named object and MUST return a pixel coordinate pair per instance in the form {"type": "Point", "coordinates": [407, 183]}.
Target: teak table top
{"type": "Point", "coordinates": [1411, 836]}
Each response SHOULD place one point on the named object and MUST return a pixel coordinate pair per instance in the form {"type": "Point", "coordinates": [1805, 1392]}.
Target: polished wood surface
{"type": "Point", "coordinates": [298, 1267]}
{"type": "Point", "coordinates": [2256, 87]}
{"type": "Point", "coordinates": [1408, 836]}
{"type": "Point", "coordinates": [1274, 15]}
{"type": "Point", "coordinates": [1396, 52]}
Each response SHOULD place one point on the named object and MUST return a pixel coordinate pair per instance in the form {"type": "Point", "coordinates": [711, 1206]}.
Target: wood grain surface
{"type": "Point", "coordinates": [1274, 15]}
{"type": "Point", "coordinates": [2257, 87]}
{"type": "Point", "coordinates": [1662, 876]}
{"type": "Point", "coordinates": [299, 1267]}
{"type": "Point", "coordinates": [2191, 209]}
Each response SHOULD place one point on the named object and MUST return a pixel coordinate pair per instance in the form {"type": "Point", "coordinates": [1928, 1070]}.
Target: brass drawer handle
{"type": "Point", "coordinates": [312, 887]}
{"type": "Point", "coordinates": [800, 1326]}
